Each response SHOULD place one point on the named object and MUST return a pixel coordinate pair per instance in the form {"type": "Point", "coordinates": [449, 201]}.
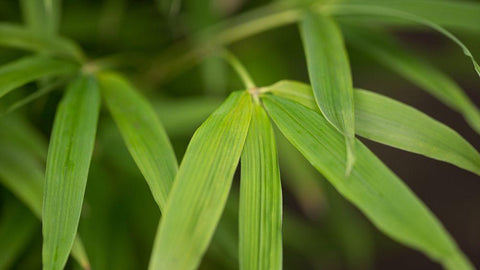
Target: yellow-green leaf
{"type": "Point", "coordinates": [201, 186]}
{"type": "Point", "coordinates": [260, 198]}
{"type": "Point", "coordinates": [68, 161]}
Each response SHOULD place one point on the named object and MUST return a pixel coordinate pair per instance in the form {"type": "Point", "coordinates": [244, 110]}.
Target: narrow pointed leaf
{"type": "Point", "coordinates": [201, 186]}
{"type": "Point", "coordinates": [355, 9]}
{"type": "Point", "coordinates": [329, 72]}
{"type": "Point", "coordinates": [143, 134]}
{"type": "Point", "coordinates": [260, 198]}
{"type": "Point", "coordinates": [23, 174]}
{"type": "Point", "coordinates": [42, 16]}
{"type": "Point", "coordinates": [384, 49]}
{"type": "Point", "coordinates": [393, 123]}
{"type": "Point", "coordinates": [16, 36]}
{"type": "Point", "coordinates": [68, 161]}
{"type": "Point", "coordinates": [371, 186]}
{"type": "Point", "coordinates": [30, 68]}
{"type": "Point", "coordinates": [17, 226]}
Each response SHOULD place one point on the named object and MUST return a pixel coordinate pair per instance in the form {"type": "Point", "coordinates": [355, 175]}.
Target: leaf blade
{"type": "Point", "coordinates": [329, 73]}
{"type": "Point", "coordinates": [260, 213]}
{"type": "Point", "coordinates": [68, 161]}
{"type": "Point", "coordinates": [372, 187]}
{"type": "Point", "coordinates": [195, 202]}
{"type": "Point", "coordinates": [143, 134]}
{"type": "Point", "coordinates": [27, 69]}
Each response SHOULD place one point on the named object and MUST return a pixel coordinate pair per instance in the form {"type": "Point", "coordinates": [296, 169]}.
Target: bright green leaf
{"type": "Point", "coordinates": [260, 198]}
{"type": "Point", "coordinates": [30, 68]}
{"type": "Point", "coordinates": [393, 123]}
{"type": "Point", "coordinates": [371, 186]}
{"type": "Point", "coordinates": [42, 16]}
{"type": "Point", "coordinates": [143, 134]}
{"type": "Point", "coordinates": [68, 161]}
{"type": "Point", "coordinates": [384, 49]}
{"type": "Point", "coordinates": [329, 72]}
{"type": "Point", "coordinates": [201, 186]}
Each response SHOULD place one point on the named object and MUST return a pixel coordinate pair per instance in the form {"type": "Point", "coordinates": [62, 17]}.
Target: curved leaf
{"type": "Point", "coordinates": [201, 186]}
{"type": "Point", "coordinates": [68, 161]}
{"type": "Point", "coordinates": [143, 134]}
{"type": "Point", "coordinates": [260, 198]}
{"type": "Point", "coordinates": [329, 72]}
{"type": "Point", "coordinates": [371, 186]}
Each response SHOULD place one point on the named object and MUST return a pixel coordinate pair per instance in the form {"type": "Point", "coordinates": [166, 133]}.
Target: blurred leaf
{"type": "Point", "coordinates": [355, 9]}
{"type": "Point", "coordinates": [372, 187]}
{"type": "Point", "coordinates": [17, 226]}
{"type": "Point", "coordinates": [30, 68]}
{"type": "Point", "coordinates": [448, 13]}
{"type": "Point", "coordinates": [68, 161]}
{"type": "Point", "coordinates": [260, 198]}
{"type": "Point", "coordinates": [19, 37]}
{"type": "Point", "coordinates": [143, 134]}
{"type": "Point", "coordinates": [329, 73]}
{"type": "Point", "coordinates": [393, 123]}
{"type": "Point", "coordinates": [201, 186]}
{"type": "Point", "coordinates": [384, 49]}
{"type": "Point", "coordinates": [22, 173]}
{"type": "Point", "coordinates": [42, 16]}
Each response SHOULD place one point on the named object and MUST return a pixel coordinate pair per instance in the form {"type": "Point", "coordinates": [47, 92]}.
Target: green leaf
{"type": "Point", "coordinates": [23, 174]}
{"type": "Point", "coordinates": [201, 186]}
{"type": "Point", "coordinates": [385, 50]}
{"type": "Point", "coordinates": [143, 134]}
{"type": "Point", "coordinates": [16, 36]}
{"type": "Point", "coordinates": [393, 123]}
{"type": "Point", "coordinates": [42, 16]}
{"type": "Point", "coordinates": [17, 226]}
{"type": "Point", "coordinates": [68, 161]}
{"type": "Point", "coordinates": [448, 13]}
{"type": "Point", "coordinates": [329, 72]}
{"type": "Point", "coordinates": [371, 186]}
{"type": "Point", "coordinates": [260, 198]}
{"type": "Point", "coordinates": [356, 9]}
{"type": "Point", "coordinates": [30, 68]}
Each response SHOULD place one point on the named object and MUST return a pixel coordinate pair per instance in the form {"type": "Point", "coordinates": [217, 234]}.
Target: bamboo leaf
{"type": "Point", "coordinates": [448, 13]}
{"type": "Point", "coordinates": [372, 187]}
{"type": "Point", "coordinates": [384, 49]}
{"type": "Point", "coordinates": [355, 9]}
{"type": "Point", "coordinates": [143, 134]}
{"type": "Point", "coordinates": [329, 73]}
{"type": "Point", "coordinates": [201, 186]}
{"type": "Point", "coordinates": [30, 68]}
{"type": "Point", "coordinates": [68, 161]}
{"type": "Point", "coordinates": [22, 173]}
{"type": "Point", "coordinates": [393, 123]}
{"type": "Point", "coordinates": [17, 226]}
{"type": "Point", "coordinates": [16, 36]}
{"type": "Point", "coordinates": [260, 198]}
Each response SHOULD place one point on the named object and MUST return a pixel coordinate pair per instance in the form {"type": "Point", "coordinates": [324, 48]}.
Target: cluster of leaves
{"type": "Point", "coordinates": [321, 121]}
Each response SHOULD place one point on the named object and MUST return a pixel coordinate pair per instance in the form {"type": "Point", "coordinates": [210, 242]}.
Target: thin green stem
{"type": "Point", "coordinates": [239, 69]}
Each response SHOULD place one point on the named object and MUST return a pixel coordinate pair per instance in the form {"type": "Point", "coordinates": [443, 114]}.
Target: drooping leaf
{"type": "Point", "coordinates": [30, 68]}
{"type": "Point", "coordinates": [260, 214]}
{"type": "Point", "coordinates": [448, 13]}
{"type": "Point", "coordinates": [68, 161]}
{"type": "Point", "coordinates": [393, 123]}
{"type": "Point", "coordinates": [17, 226]}
{"type": "Point", "coordinates": [384, 49]}
{"type": "Point", "coordinates": [329, 73]}
{"type": "Point", "coordinates": [16, 36]}
{"type": "Point", "coordinates": [371, 186]}
{"type": "Point", "coordinates": [201, 186]}
{"type": "Point", "coordinates": [355, 9]}
{"type": "Point", "coordinates": [143, 134]}
{"type": "Point", "coordinates": [23, 174]}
